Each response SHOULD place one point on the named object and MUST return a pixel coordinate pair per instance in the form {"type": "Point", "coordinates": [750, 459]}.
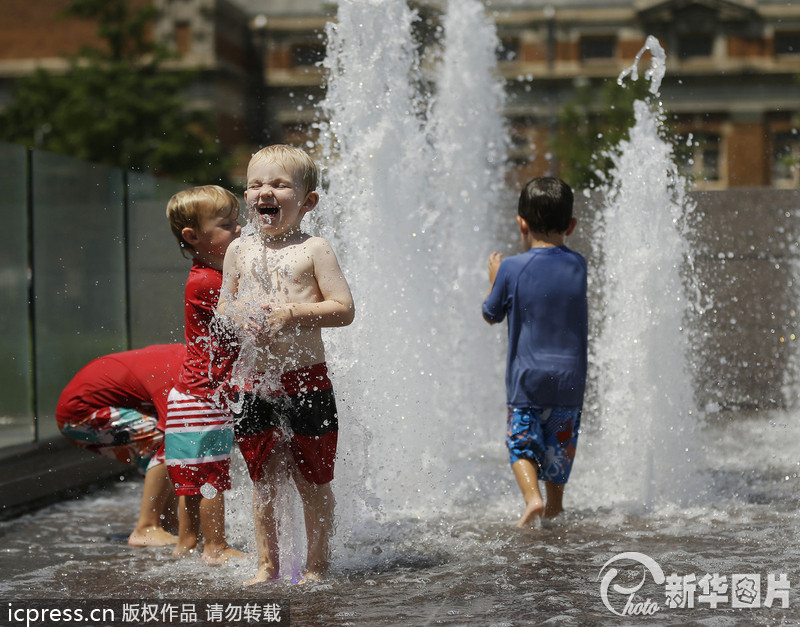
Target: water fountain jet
{"type": "Point", "coordinates": [640, 354]}
{"type": "Point", "coordinates": [415, 185]}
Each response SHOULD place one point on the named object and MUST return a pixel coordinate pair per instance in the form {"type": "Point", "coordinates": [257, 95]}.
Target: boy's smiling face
{"type": "Point", "coordinates": [276, 198]}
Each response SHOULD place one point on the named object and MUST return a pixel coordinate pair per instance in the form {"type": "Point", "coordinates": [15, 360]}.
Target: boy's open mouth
{"type": "Point", "coordinates": [268, 211]}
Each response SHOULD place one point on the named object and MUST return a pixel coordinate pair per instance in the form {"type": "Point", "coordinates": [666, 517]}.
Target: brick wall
{"type": "Point", "coordinates": [37, 29]}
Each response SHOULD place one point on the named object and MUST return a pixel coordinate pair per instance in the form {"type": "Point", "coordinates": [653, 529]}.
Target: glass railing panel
{"type": "Point", "coordinates": [16, 401]}
{"type": "Point", "coordinates": [79, 270]}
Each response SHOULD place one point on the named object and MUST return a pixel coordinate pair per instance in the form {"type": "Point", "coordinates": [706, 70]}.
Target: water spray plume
{"type": "Point", "coordinates": [641, 352]}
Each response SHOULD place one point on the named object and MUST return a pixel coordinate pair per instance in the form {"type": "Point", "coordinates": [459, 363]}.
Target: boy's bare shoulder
{"type": "Point", "coordinates": [313, 246]}
{"type": "Point", "coordinates": [317, 243]}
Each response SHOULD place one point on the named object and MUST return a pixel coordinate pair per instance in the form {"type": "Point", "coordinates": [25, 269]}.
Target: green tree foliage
{"type": "Point", "coordinates": [592, 124]}
{"type": "Point", "coordinates": [116, 105]}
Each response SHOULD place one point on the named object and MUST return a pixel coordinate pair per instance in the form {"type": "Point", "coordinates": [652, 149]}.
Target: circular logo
{"type": "Point", "coordinates": [631, 607]}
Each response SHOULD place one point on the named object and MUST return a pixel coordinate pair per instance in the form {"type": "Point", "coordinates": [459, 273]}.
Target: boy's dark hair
{"type": "Point", "coordinates": [546, 205]}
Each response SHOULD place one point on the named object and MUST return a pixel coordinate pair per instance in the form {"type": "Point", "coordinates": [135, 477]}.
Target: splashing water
{"type": "Point", "coordinates": [421, 401]}
{"type": "Point", "coordinates": [415, 184]}
{"type": "Point", "coordinates": [658, 65]}
{"type": "Point", "coordinates": [640, 352]}
{"type": "Point", "coordinates": [412, 156]}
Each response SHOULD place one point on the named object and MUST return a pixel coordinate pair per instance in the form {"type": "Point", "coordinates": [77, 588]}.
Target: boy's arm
{"type": "Point", "coordinates": [336, 309]}
{"type": "Point", "coordinates": [242, 317]}
{"type": "Point", "coordinates": [495, 259]}
{"type": "Point", "coordinates": [227, 305]}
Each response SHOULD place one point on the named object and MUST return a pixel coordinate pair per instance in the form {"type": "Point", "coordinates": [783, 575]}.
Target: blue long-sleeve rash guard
{"type": "Point", "coordinates": [543, 293]}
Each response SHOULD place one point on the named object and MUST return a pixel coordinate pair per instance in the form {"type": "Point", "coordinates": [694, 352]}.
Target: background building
{"type": "Point", "coordinates": [732, 70]}
{"type": "Point", "coordinates": [732, 75]}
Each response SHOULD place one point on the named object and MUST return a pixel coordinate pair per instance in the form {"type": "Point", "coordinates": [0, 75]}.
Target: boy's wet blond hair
{"type": "Point", "coordinates": [292, 158]}
{"type": "Point", "coordinates": [188, 207]}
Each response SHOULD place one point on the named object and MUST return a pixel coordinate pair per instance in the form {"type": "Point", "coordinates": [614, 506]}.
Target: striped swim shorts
{"type": "Point", "coordinates": [197, 444]}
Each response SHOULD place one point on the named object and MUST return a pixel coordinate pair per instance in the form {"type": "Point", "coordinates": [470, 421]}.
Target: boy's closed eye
{"type": "Point", "coordinates": [274, 184]}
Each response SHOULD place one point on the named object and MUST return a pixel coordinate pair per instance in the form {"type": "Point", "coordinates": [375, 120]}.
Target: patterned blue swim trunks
{"type": "Point", "coordinates": [545, 436]}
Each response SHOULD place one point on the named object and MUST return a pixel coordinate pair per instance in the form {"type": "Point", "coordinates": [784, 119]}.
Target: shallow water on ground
{"type": "Point", "coordinates": [465, 563]}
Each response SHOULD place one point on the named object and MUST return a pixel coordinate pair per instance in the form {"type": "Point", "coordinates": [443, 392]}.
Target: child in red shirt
{"type": "Point", "coordinates": [116, 406]}
{"type": "Point", "coordinates": [199, 431]}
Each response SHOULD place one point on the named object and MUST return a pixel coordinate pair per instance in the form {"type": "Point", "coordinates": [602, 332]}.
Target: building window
{"type": "Point", "coordinates": [696, 45]}
{"type": "Point", "coordinates": [508, 50]}
{"type": "Point", "coordinates": [709, 154]}
{"type": "Point", "coordinates": [699, 156]}
{"type": "Point", "coordinates": [598, 48]}
{"type": "Point", "coordinates": [307, 55]}
{"type": "Point", "coordinates": [786, 158]}
{"type": "Point", "coordinates": [787, 43]}
{"type": "Point", "coordinates": [183, 38]}
{"type": "Point", "coordinates": [521, 136]}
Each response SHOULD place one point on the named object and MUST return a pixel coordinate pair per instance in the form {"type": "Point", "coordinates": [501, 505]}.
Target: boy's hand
{"type": "Point", "coordinates": [495, 259]}
{"type": "Point", "coordinates": [258, 326]}
{"type": "Point", "coordinates": [265, 327]}
{"type": "Point", "coordinates": [278, 317]}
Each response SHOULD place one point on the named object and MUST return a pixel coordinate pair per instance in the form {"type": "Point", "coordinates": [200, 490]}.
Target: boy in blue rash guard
{"type": "Point", "coordinates": [543, 294]}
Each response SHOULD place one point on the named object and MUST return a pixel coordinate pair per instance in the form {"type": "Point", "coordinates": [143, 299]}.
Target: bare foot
{"type": "Point", "coordinates": [263, 574]}
{"type": "Point", "coordinates": [215, 557]}
{"type": "Point", "coordinates": [151, 536]}
{"type": "Point", "coordinates": [181, 551]}
{"type": "Point", "coordinates": [533, 510]}
{"type": "Point", "coordinates": [310, 577]}
{"type": "Point", "coordinates": [552, 512]}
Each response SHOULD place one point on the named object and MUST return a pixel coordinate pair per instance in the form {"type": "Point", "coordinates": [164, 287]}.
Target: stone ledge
{"type": "Point", "coordinates": [35, 475]}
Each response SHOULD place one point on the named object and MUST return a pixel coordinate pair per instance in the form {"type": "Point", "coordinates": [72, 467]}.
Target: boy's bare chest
{"type": "Point", "coordinates": [287, 271]}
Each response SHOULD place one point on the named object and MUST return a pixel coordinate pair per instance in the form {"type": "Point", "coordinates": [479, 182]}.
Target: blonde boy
{"type": "Point", "coordinates": [199, 434]}
{"type": "Point", "coordinates": [281, 286]}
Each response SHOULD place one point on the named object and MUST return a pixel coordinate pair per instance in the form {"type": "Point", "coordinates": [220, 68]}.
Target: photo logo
{"type": "Point", "coordinates": [631, 606]}
{"type": "Point", "coordinates": [685, 591]}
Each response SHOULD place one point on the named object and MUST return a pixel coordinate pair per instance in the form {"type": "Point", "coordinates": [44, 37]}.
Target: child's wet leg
{"type": "Point", "coordinates": [188, 525]}
{"type": "Point", "coordinates": [266, 528]}
{"type": "Point", "coordinates": [216, 549]}
{"type": "Point", "coordinates": [318, 508]}
{"type": "Point", "coordinates": [157, 499]}
{"type": "Point", "coordinates": [527, 476]}
{"type": "Point", "coordinates": [555, 497]}
{"type": "Point", "coordinates": [169, 513]}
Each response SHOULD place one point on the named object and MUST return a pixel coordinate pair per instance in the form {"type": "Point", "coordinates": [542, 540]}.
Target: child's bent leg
{"type": "Point", "coordinates": [318, 507]}
{"type": "Point", "coordinates": [157, 496]}
{"type": "Point", "coordinates": [561, 432]}
{"type": "Point", "coordinates": [527, 476]}
{"type": "Point", "coordinates": [555, 497]}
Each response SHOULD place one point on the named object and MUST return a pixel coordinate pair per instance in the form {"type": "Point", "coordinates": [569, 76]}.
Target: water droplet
{"type": "Point", "coordinates": [208, 491]}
